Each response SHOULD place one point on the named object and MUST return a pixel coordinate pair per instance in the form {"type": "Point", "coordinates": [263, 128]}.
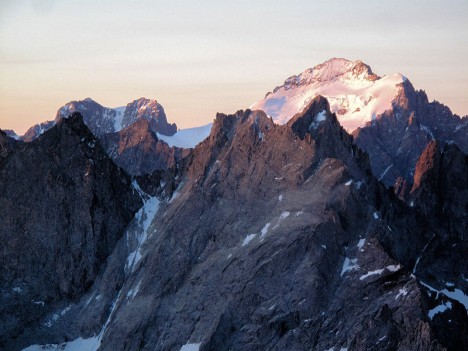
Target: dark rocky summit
{"type": "Point", "coordinates": [151, 111]}
{"type": "Point", "coordinates": [36, 130]}
{"type": "Point", "coordinates": [271, 237]}
{"type": "Point", "coordinates": [11, 134]}
{"type": "Point", "coordinates": [138, 150]}
{"type": "Point", "coordinates": [63, 207]}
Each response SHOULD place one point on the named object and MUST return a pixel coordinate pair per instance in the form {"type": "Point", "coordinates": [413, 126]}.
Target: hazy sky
{"type": "Point", "coordinates": [201, 57]}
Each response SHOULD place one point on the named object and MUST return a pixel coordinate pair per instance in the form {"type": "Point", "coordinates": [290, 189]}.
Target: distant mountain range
{"type": "Point", "coordinates": [131, 134]}
{"type": "Point", "coordinates": [275, 230]}
{"type": "Point", "coordinates": [102, 120]}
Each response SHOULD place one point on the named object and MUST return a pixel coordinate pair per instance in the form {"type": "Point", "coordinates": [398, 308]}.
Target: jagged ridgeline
{"type": "Point", "coordinates": [265, 236]}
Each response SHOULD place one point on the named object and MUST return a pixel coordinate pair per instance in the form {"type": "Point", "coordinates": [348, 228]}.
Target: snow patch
{"type": "Point", "coordinates": [440, 309]}
{"type": "Point", "coordinates": [349, 182]}
{"type": "Point", "coordinates": [458, 295]}
{"type": "Point", "coordinates": [119, 113]}
{"type": "Point", "coordinates": [187, 138]}
{"type": "Point", "coordinates": [80, 344]}
{"type": "Point", "coordinates": [143, 219]}
{"type": "Point", "coordinates": [248, 239]}
{"type": "Point", "coordinates": [356, 98]}
{"type": "Point", "coordinates": [391, 268]}
{"type": "Point", "coordinates": [133, 292]}
{"type": "Point", "coordinates": [283, 216]}
{"type": "Point", "coordinates": [370, 273]}
{"type": "Point", "coordinates": [319, 118]}
{"type": "Point", "coordinates": [264, 230]}
{"type": "Point", "coordinates": [349, 265]}
{"type": "Point", "coordinates": [190, 347]}
{"type": "Point", "coordinates": [401, 292]}
{"type": "Point", "coordinates": [361, 243]}
{"type": "Point", "coordinates": [65, 310]}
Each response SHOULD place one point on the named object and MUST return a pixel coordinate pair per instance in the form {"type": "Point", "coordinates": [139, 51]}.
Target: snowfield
{"type": "Point", "coordinates": [187, 138]}
{"type": "Point", "coordinates": [355, 94]}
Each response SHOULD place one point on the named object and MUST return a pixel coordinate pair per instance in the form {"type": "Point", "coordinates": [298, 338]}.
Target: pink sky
{"type": "Point", "coordinates": [200, 58]}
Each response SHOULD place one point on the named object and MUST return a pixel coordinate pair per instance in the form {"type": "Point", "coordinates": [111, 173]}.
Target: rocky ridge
{"type": "Point", "coordinates": [272, 237]}
{"type": "Point", "coordinates": [388, 118]}
{"type": "Point", "coordinates": [102, 120]}
{"type": "Point", "coordinates": [63, 207]}
{"type": "Point", "coordinates": [138, 150]}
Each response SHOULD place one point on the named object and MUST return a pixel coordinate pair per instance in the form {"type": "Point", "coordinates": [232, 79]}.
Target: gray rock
{"type": "Point", "coordinates": [63, 207]}
{"type": "Point", "coordinates": [397, 138]}
{"type": "Point", "coordinates": [138, 150]}
{"type": "Point", "coordinates": [269, 237]}
{"type": "Point", "coordinates": [102, 120]}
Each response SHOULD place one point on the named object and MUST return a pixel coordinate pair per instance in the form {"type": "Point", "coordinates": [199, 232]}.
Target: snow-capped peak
{"type": "Point", "coordinates": [327, 72]}
{"type": "Point", "coordinates": [354, 92]}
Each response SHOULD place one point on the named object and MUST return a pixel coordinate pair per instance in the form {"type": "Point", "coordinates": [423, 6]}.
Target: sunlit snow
{"type": "Point", "coordinates": [187, 138]}
{"type": "Point", "coordinates": [356, 99]}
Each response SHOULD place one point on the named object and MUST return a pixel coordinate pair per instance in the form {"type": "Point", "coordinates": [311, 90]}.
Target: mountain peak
{"type": "Point", "coordinates": [354, 92]}
{"type": "Point", "coordinates": [150, 110]}
{"type": "Point", "coordinates": [335, 68]}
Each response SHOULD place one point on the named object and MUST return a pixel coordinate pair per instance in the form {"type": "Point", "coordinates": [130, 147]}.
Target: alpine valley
{"type": "Point", "coordinates": [330, 215]}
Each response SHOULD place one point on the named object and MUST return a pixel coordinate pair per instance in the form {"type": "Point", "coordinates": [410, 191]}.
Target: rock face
{"type": "Point", "coordinates": [151, 111]}
{"type": "Point", "coordinates": [11, 134]}
{"type": "Point", "coordinates": [63, 207]}
{"type": "Point", "coordinates": [138, 150]}
{"type": "Point", "coordinates": [102, 120]}
{"type": "Point", "coordinates": [388, 118]}
{"type": "Point", "coordinates": [397, 138]}
{"type": "Point", "coordinates": [440, 190]}
{"type": "Point", "coordinates": [270, 237]}
{"type": "Point", "coordinates": [36, 130]}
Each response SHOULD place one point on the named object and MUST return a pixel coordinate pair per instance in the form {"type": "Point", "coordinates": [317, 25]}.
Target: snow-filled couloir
{"type": "Point", "coordinates": [354, 92]}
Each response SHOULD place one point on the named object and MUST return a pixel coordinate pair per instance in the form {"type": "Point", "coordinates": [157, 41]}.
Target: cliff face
{"type": "Point", "coordinates": [440, 190]}
{"type": "Point", "coordinates": [63, 207]}
{"type": "Point", "coordinates": [397, 138]}
{"type": "Point", "coordinates": [138, 150]}
{"type": "Point", "coordinates": [101, 120]}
